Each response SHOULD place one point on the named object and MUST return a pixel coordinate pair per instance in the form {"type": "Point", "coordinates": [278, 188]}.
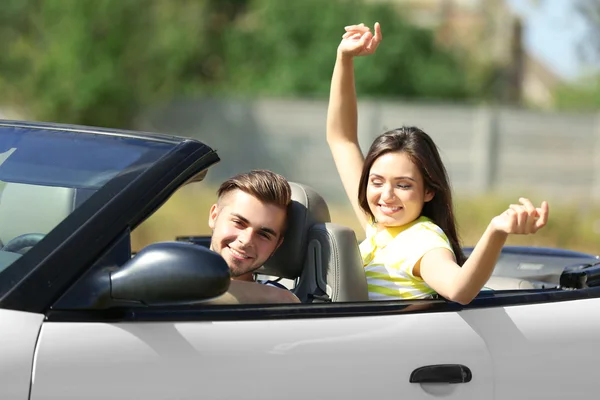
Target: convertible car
{"type": "Point", "coordinates": [82, 317]}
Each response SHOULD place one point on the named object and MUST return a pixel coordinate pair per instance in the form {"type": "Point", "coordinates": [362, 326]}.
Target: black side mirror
{"type": "Point", "coordinates": [580, 276]}
{"type": "Point", "coordinates": [171, 273]}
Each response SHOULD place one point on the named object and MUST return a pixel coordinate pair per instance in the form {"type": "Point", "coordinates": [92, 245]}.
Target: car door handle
{"type": "Point", "coordinates": [441, 373]}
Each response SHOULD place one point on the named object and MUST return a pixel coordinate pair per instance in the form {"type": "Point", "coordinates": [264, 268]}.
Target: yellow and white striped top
{"type": "Point", "coordinates": [390, 255]}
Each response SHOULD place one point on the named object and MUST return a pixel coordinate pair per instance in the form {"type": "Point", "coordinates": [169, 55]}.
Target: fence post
{"type": "Point", "coordinates": [484, 150]}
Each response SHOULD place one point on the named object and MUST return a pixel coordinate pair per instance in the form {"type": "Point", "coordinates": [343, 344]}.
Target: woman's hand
{"type": "Point", "coordinates": [521, 218]}
{"type": "Point", "coordinates": [359, 41]}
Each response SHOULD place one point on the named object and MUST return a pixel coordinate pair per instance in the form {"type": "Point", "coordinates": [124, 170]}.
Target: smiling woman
{"type": "Point", "coordinates": [401, 194]}
{"type": "Point", "coordinates": [380, 198]}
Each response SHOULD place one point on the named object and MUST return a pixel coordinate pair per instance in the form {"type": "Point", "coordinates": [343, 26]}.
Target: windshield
{"type": "Point", "coordinates": [45, 174]}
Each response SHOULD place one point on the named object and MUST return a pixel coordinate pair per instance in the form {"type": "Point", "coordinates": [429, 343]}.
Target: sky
{"type": "Point", "coordinates": [552, 33]}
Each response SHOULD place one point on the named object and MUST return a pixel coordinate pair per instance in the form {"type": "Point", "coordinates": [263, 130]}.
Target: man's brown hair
{"type": "Point", "coordinates": [265, 185]}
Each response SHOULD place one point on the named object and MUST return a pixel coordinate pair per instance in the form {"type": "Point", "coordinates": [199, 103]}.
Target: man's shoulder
{"type": "Point", "coordinates": [284, 295]}
{"type": "Point", "coordinates": [246, 292]}
{"type": "Point", "coordinates": [271, 283]}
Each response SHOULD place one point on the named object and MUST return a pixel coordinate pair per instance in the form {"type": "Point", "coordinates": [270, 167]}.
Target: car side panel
{"type": "Point", "coordinates": [542, 351]}
{"type": "Point", "coordinates": [18, 336]}
{"type": "Point", "coordinates": [353, 357]}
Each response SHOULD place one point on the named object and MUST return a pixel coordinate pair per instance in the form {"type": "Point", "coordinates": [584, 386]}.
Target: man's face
{"type": "Point", "coordinates": [246, 231]}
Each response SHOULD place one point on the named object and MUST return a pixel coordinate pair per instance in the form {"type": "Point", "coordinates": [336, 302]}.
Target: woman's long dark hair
{"type": "Point", "coordinates": [423, 152]}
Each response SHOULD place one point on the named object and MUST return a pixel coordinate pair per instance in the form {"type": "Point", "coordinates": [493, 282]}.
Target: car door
{"type": "Point", "coordinates": [258, 353]}
{"type": "Point", "coordinates": [546, 351]}
{"type": "Point", "coordinates": [18, 335]}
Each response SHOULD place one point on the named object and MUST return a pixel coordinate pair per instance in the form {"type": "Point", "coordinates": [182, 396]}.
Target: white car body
{"type": "Point", "coordinates": [537, 351]}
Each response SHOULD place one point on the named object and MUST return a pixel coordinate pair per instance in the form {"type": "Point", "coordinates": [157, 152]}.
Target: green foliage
{"type": "Point", "coordinates": [289, 47]}
{"type": "Point", "coordinates": [99, 62]}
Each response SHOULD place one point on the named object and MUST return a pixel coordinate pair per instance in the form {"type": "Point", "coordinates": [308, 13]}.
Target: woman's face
{"type": "Point", "coordinates": [395, 190]}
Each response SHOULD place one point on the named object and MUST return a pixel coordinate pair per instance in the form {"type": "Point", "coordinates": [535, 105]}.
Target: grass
{"type": "Point", "coordinates": [571, 226]}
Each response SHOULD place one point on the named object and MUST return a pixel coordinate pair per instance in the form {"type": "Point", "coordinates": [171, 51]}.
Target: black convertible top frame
{"type": "Point", "coordinates": [36, 280]}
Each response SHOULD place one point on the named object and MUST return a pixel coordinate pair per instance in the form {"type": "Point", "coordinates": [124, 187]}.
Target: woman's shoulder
{"type": "Point", "coordinates": [425, 226]}
{"type": "Point", "coordinates": [422, 226]}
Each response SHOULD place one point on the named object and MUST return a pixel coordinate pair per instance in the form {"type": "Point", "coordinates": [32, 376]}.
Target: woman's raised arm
{"type": "Point", "coordinates": [342, 115]}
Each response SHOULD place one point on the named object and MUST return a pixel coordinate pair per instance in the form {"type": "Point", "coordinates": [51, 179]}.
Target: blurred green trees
{"type": "Point", "coordinates": [99, 62]}
{"type": "Point", "coordinates": [288, 47]}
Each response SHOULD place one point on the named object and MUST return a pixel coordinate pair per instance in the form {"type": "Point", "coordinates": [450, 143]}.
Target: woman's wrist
{"type": "Point", "coordinates": [344, 57]}
{"type": "Point", "coordinates": [495, 232]}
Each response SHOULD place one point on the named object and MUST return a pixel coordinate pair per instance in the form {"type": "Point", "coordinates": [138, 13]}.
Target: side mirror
{"type": "Point", "coordinates": [171, 273]}
{"type": "Point", "coordinates": [581, 276]}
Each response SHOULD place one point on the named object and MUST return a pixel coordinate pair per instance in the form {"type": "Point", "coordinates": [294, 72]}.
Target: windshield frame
{"type": "Point", "coordinates": [35, 280]}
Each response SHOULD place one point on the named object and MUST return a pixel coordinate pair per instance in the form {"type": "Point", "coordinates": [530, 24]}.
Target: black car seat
{"type": "Point", "coordinates": [321, 256]}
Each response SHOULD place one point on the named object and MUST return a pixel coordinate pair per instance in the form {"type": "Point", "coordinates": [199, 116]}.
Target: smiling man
{"type": "Point", "coordinates": [248, 224]}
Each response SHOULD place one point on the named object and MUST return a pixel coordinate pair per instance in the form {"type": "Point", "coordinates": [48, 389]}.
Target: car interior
{"type": "Point", "coordinates": [320, 256]}
{"type": "Point", "coordinates": [319, 260]}
{"type": "Point", "coordinates": [28, 212]}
